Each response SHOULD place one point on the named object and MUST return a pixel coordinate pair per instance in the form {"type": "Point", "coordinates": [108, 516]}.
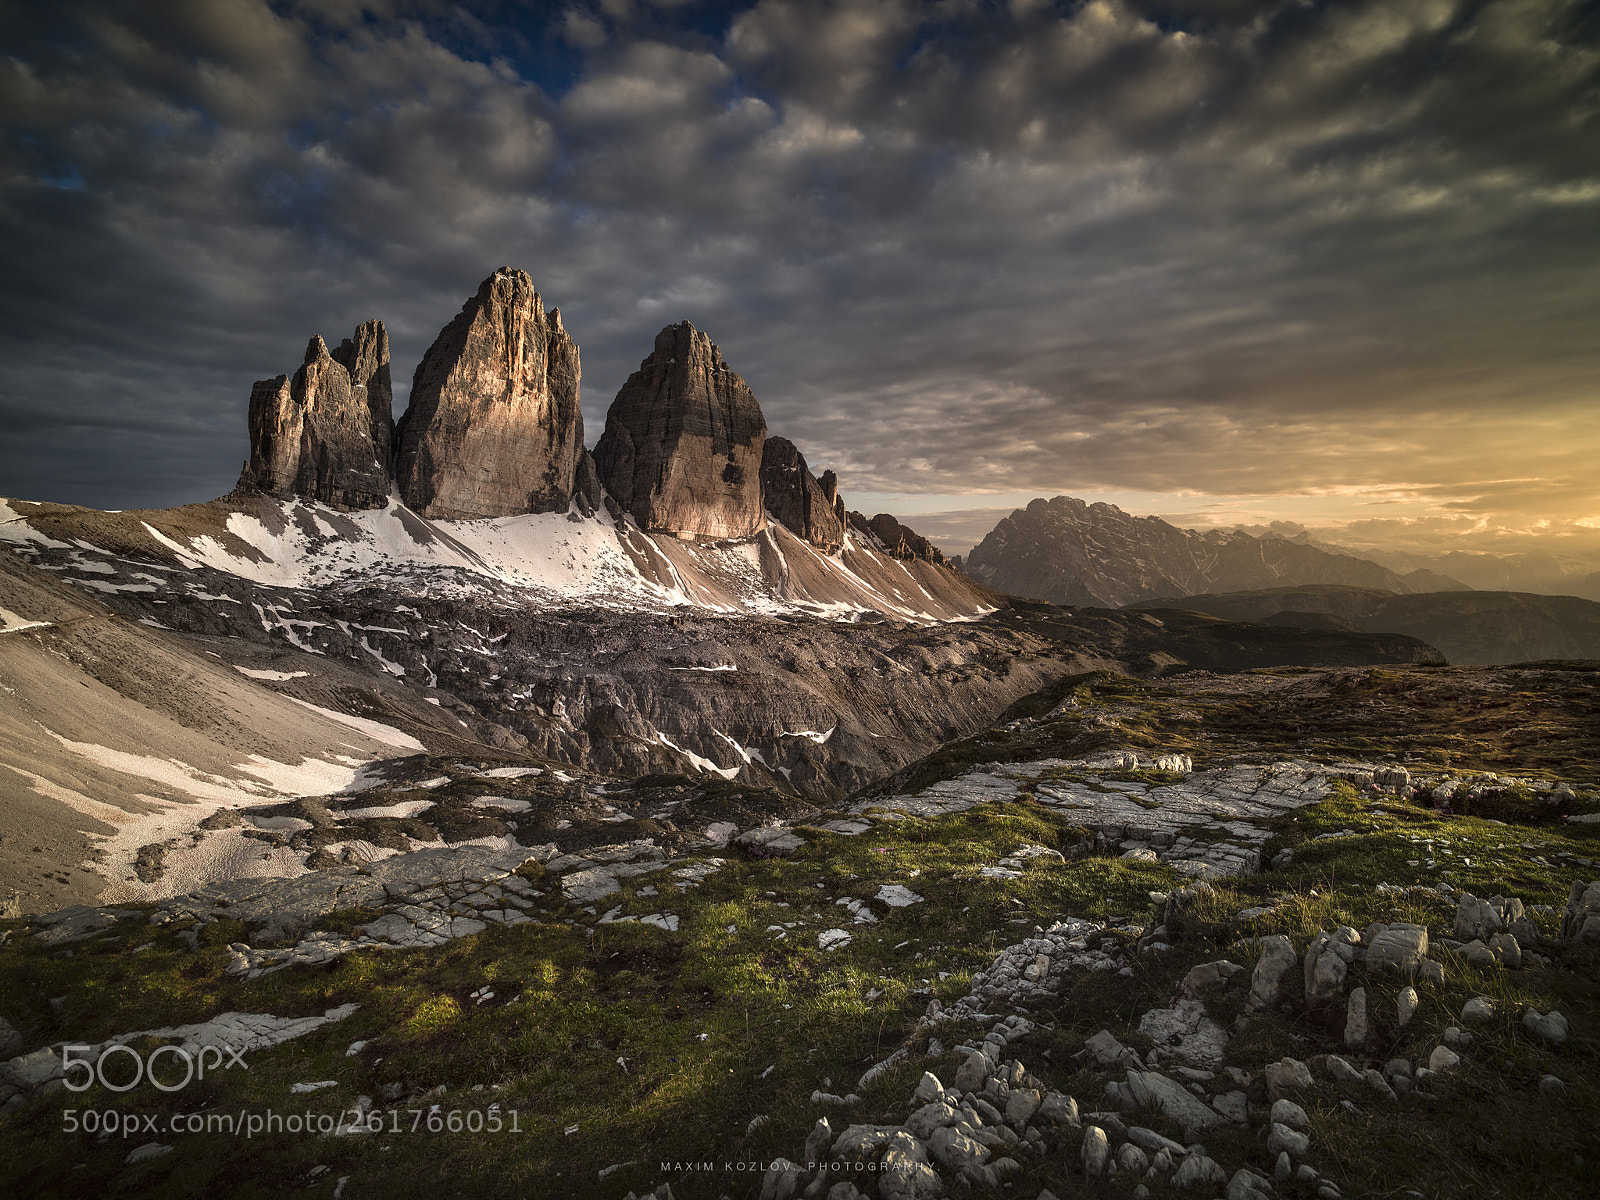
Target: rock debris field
{"type": "Point", "coordinates": [1151, 1114]}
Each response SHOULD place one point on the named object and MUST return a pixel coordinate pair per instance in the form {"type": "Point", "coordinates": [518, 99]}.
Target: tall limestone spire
{"type": "Point", "coordinates": [324, 435]}
{"type": "Point", "coordinates": [494, 426]}
{"type": "Point", "coordinates": [683, 442]}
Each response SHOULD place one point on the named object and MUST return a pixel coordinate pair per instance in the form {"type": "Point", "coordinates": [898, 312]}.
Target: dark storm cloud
{"type": "Point", "coordinates": [1199, 245]}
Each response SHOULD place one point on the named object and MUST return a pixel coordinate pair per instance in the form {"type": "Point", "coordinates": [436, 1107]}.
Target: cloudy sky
{"type": "Point", "coordinates": [1222, 260]}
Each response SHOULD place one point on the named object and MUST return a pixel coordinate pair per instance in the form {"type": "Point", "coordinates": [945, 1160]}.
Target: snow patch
{"type": "Point", "coordinates": [387, 734]}
{"type": "Point", "coordinates": [704, 764]}
{"type": "Point", "coordinates": [10, 622]}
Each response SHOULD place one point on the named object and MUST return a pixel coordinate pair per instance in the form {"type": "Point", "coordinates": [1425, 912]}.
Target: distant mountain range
{"type": "Point", "coordinates": [1523, 571]}
{"type": "Point", "coordinates": [1068, 552]}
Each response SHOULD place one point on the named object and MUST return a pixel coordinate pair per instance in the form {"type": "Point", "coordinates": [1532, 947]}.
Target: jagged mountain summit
{"type": "Point", "coordinates": [494, 427]}
{"type": "Point", "coordinates": [683, 442]}
{"type": "Point", "coordinates": [494, 431]}
{"type": "Point", "coordinates": [326, 435]}
{"type": "Point", "coordinates": [1069, 552]}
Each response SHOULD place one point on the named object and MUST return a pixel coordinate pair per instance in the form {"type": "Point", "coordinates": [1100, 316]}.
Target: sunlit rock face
{"type": "Point", "coordinates": [799, 500]}
{"type": "Point", "coordinates": [683, 442]}
{"type": "Point", "coordinates": [494, 427]}
{"type": "Point", "coordinates": [325, 434]}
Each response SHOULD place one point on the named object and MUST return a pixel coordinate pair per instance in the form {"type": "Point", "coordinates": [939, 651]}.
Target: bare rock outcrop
{"type": "Point", "coordinates": [494, 427]}
{"type": "Point", "coordinates": [325, 434]}
{"type": "Point", "coordinates": [897, 541]}
{"type": "Point", "coordinates": [798, 499]}
{"type": "Point", "coordinates": [366, 357]}
{"type": "Point", "coordinates": [682, 448]}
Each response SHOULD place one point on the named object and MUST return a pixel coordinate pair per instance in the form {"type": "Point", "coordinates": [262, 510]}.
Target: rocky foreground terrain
{"type": "Point", "coordinates": [1137, 938]}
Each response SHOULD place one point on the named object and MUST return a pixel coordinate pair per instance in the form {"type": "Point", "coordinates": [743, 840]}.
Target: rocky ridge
{"type": "Point", "coordinates": [494, 428]}
{"type": "Point", "coordinates": [1466, 626]}
{"type": "Point", "coordinates": [897, 541]}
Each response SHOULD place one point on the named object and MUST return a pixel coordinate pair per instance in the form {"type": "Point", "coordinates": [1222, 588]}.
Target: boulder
{"type": "Point", "coordinates": [1285, 1076]}
{"type": "Point", "coordinates": [796, 498]}
{"type": "Point", "coordinates": [1342, 1071]}
{"type": "Point", "coordinates": [907, 1174]}
{"type": "Point", "coordinates": [1287, 1112]}
{"type": "Point", "coordinates": [1355, 1025]}
{"type": "Point", "coordinates": [1406, 1005]}
{"type": "Point", "coordinates": [817, 1144]}
{"type": "Point", "coordinates": [1506, 950]}
{"type": "Point", "coordinates": [1059, 1108]}
{"type": "Point", "coordinates": [1211, 975]}
{"type": "Point", "coordinates": [929, 1089]}
{"type": "Point", "coordinates": [861, 1143]}
{"type": "Point", "coordinates": [1021, 1104]}
{"type": "Point", "coordinates": [1402, 946]}
{"type": "Point", "coordinates": [1550, 1027]}
{"type": "Point", "coordinates": [1095, 1151]}
{"type": "Point", "coordinates": [1266, 984]}
{"type": "Point", "coordinates": [1105, 1051]}
{"type": "Point", "coordinates": [683, 443]}
{"type": "Point", "coordinates": [1247, 1185]}
{"type": "Point", "coordinates": [1131, 1160]}
{"type": "Point", "coordinates": [1186, 1032]}
{"type": "Point", "coordinates": [971, 1074]}
{"type": "Point", "coordinates": [1476, 920]}
{"type": "Point", "coordinates": [955, 1149]}
{"type": "Point", "coordinates": [325, 434]}
{"type": "Point", "coordinates": [494, 427]}
{"type": "Point", "coordinates": [931, 1116]}
{"type": "Point", "coordinates": [1581, 919]}
{"type": "Point", "coordinates": [1478, 1011]}
{"type": "Point", "coordinates": [1325, 969]}
{"type": "Point", "coordinates": [1172, 1098]}
{"type": "Point", "coordinates": [1283, 1139]}
{"type": "Point", "coordinates": [781, 1180]}
{"type": "Point", "coordinates": [1197, 1170]}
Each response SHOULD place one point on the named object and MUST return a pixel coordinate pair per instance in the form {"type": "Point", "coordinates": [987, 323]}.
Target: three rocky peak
{"type": "Point", "coordinates": [494, 429]}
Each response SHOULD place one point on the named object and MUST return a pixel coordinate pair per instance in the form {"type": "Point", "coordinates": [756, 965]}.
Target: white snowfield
{"type": "Point", "coordinates": [553, 558]}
